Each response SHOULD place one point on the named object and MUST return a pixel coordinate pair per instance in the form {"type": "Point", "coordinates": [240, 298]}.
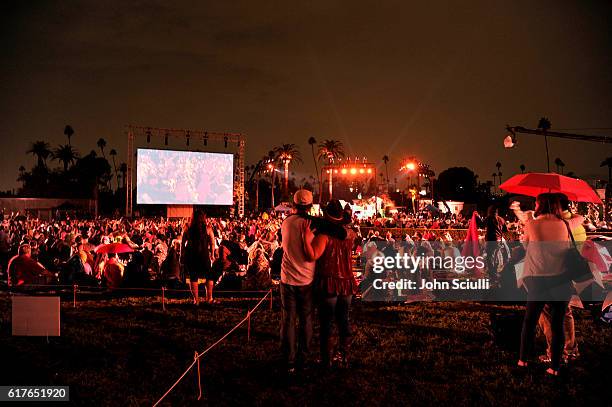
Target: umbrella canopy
{"type": "Point", "coordinates": [536, 183]}
{"type": "Point", "coordinates": [114, 248]}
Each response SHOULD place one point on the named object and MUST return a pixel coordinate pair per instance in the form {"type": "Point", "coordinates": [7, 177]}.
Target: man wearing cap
{"type": "Point", "coordinates": [297, 276]}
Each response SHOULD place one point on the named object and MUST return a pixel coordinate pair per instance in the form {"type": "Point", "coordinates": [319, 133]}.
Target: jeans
{"type": "Point", "coordinates": [532, 314]}
{"type": "Point", "coordinates": [296, 302]}
{"type": "Point", "coordinates": [330, 309]}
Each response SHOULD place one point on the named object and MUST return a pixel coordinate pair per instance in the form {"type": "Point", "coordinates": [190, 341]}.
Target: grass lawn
{"type": "Point", "coordinates": [128, 351]}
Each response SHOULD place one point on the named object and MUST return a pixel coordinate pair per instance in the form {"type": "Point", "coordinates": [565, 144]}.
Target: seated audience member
{"type": "Point", "coordinates": [226, 267]}
{"type": "Point", "coordinates": [258, 273]}
{"type": "Point", "coordinates": [113, 271]}
{"type": "Point", "coordinates": [24, 270]}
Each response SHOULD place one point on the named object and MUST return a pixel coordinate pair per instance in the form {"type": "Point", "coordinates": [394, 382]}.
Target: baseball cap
{"type": "Point", "coordinates": [302, 197]}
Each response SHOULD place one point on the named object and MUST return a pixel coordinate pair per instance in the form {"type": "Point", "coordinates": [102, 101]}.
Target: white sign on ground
{"type": "Point", "coordinates": [36, 316]}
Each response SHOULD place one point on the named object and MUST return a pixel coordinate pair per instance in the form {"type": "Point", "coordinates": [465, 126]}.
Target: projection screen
{"type": "Point", "coordinates": [184, 177]}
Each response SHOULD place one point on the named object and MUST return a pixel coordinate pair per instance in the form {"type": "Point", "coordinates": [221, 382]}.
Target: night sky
{"type": "Point", "coordinates": [438, 81]}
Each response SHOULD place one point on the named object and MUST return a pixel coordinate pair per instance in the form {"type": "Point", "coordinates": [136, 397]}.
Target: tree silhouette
{"type": "Point", "coordinates": [386, 161]}
{"type": "Point", "coordinates": [330, 150]}
{"type": "Point", "coordinates": [42, 151]}
{"type": "Point", "coordinates": [65, 154]}
{"type": "Point", "coordinates": [522, 167]}
{"type": "Point", "coordinates": [68, 132]}
{"type": "Point", "coordinates": [285, 154]}
{"type": "Point", "coordinates": [113, 154]}
{"type": "Point", "coordinates": [101, 145]}
{"type": "Point", "coordinates": [123, 169]}
{"type": "Point", "coordinates": [560, 164]}
{"type": "Point", "coordinates": [494, 175]}
{"type": "Point", "coordinates": [313, 141]}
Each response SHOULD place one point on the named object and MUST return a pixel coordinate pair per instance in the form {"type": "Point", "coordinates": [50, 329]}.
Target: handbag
{"type": "Point", "coordinates": [576, 267]}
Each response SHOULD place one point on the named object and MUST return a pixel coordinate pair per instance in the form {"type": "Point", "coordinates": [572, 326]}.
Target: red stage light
{"type": "Point", "coordinates": [353, 171]}
{"type": "Point", "coordinates": [344, 171]}
{"type": "Point", "coordinates": [361, 171]}
{"type": "Point", "coordinates": [369, 170]}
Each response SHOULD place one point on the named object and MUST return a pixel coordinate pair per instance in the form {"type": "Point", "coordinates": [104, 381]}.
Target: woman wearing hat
{"type": "Point", "coordinates": [334, 281]}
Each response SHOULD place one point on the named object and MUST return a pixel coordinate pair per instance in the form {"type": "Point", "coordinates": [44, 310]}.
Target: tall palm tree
{"type": "Point", "coordinates": [68, 132]}
{"type": "Point", "coordinates": [330, 150]}
{"type": "Point", "coordinates": [113, 154]}
{"type": "Point", "coordinates": [123, 169]}
{"type": "Point", "coordinates": [42, 151]}
{"type": "Point", "coordinates": [498, 165]}
{"type": "Point", "coordinates": [522, 167]}
{"type": "Point", "coordinates": [285, 154]}
{"type": "Point", "coordinates": [499, 174]}
{"type": "Point", "coordinates": [494, 175]}
{"type": "Point", "coordinates": [272, 164]}
{"type": "Point", "coordinates": [65, 154]}
{"type": "Point", "coordinates": [312, 141]}
{"type": "Point", "coordinates": [560, 164]}
{"type": "Point", "coordinates": [608, 163]}
{"type": "Point", "coordinates": [386, 161]}
{"type": "Point", "coordinates": [101, 145]}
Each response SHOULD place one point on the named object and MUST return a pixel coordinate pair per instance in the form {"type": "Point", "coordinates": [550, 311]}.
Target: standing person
{"type": "Point", "coordinates": [297, 274]}
{"type": "Point", "coordinates": [335, 283]}
{"type": "Point", "coordinates": [570, 349]}
{"type": "Point", "coordinates": [547, 241]}
{"type": "Point", "coordinates": [198, 248]}
{"type": "Point", "coordinates": [495, 226]}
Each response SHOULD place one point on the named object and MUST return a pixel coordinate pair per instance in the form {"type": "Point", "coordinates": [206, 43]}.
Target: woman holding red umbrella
{"type": "Point", "coordinates": [547, 239]}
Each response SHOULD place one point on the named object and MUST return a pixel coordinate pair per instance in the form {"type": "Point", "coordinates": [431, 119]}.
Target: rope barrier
{"type": "Point", "coordinates": [199, 355]}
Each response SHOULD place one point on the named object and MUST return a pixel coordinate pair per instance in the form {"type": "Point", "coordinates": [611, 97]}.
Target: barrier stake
{"type": "Point", "coordinates": [74, 291]}
{"type": "Point", "coordinates": [197, 359]}
{"type": "Point", "coordinates": [164, 298]}
{"type": "Point", "coordinates": [249, 326]}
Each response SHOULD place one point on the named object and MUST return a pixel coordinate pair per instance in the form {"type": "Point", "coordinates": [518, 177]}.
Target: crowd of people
{"type": "Point", "coordinates": [313, 259]}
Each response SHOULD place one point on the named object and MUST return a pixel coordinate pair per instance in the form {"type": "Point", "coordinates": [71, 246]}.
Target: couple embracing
{"type": "Point", "coordinates": [316, 268]}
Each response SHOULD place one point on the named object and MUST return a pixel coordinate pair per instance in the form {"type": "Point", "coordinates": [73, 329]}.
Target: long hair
{"type": "Point", "coordinates": [197, 228]}
{"type": "Point", "coordinates": [548, 204]}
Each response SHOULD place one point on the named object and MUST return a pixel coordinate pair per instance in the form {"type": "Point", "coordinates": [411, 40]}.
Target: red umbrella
{"type": "Point", "coordinates": [114, 248]}
{"type": "Point", "coordinates": [536, 183]}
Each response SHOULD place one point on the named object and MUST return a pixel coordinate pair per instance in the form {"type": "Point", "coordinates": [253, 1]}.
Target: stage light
{"type": "Point", "coordinates": [335, 171]}
{"type": "Point", "coordinates": [411, 166]}
{"type": "Point", "coordinates": [369, 170]}
{"type": "Point", "coordinates": [343, 171]}
{"type": "Point", "coordinates": [353, 171]}
{"type": "Point", "coordinates": [509, 141]}
{"type": "Point", "coordinates": [205, 138]}
{"type": "Point", "coordinates": [166, 139]}
{"type": "Point", "coordinates": [225, 141]}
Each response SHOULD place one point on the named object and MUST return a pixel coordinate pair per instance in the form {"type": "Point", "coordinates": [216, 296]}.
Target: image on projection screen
{"type": "Point", "coordinates": [184, 177]}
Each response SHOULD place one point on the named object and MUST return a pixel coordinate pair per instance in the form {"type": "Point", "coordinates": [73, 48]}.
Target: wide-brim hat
{"type": "Point", "coordinates": [333, 211]}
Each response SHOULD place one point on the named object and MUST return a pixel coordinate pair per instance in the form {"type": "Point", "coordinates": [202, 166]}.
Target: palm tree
{"type": "Point", "coordinates": [608, 163]}
{"type": "Point", "coordinates": [312, 141]}
{"type": "Point", "coordinates": [498, 165]}
{"type": "Point", "coordinates": [65, 154]}
{"type": "Point", "coordinates": [522, 167]}
{"type": "Point", "coordinates": [42, 151]}
{"type": "Point", "coordinates": [330, 150]}
{"type": "Point", "coordinates": [499, 174]}
{"type": "Point", "coordinates": [123, 169]}
{"type": "Point", "coordinates": [101, 144]}
{"type": "Point", "coordinates": [68, 132]}
{"type": "Point", "coordinates": [113, 154]}
{"type": "Point", "coordinates": [386, 161]}
{"type": "Point", "coordinates": [560, 164]}
{"type": "Point", "coordinates": [494, 175]}
{"type": "Point", "coordinates": [285, 154]}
